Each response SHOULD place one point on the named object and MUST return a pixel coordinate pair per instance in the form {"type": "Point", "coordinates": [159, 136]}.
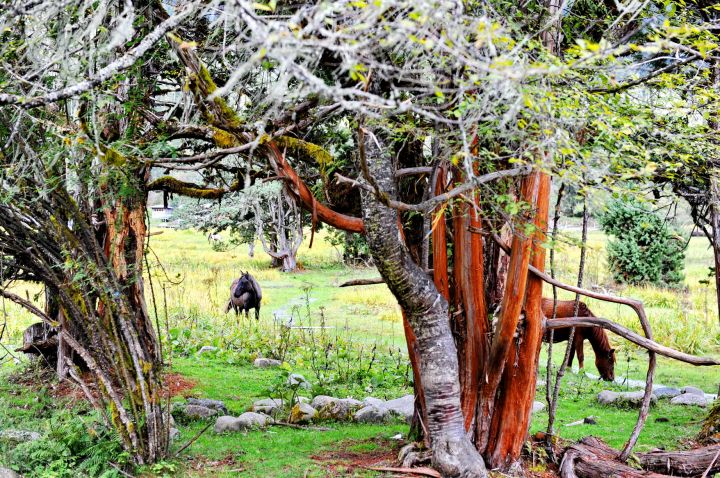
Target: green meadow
{"type": "Point", "coordinates": [187, 290]}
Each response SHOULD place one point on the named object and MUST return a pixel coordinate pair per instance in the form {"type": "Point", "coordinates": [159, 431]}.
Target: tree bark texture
{"type": "Point", "coordinates": [427, 312]}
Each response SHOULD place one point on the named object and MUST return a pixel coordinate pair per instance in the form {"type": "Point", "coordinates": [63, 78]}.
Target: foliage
{"type": "Point", "coordinates": [645, 249]}
{"type": "Point", "coordinates": [353, 246]}
{"type": "Point", "coordinates": [74, 446]}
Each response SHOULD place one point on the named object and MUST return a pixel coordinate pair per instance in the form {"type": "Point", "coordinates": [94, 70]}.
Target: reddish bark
{"type": "Point", "coordinates": [439, 239]}
{"type": "Point", "coordinates": [469, 317]}
{"type": "Point", "coordinates": [308, 201]}
{"type": "Point", "coordinates": [507, 324]}
{"type": "Point", "coordinates": [510, 422]}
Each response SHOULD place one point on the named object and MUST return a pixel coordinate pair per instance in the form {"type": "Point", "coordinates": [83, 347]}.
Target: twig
{"type": "Point", "coordinates": [192, 440]}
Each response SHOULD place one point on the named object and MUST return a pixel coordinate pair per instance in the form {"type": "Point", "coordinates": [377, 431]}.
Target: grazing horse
{"type": "Point", "coordinates": [245, 294]}
{"type": "Point", "coordinates": [604, 353]}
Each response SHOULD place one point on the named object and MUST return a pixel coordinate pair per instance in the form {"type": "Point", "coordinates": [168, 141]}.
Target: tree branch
{"type": "Point", "coordinates": [631, 336]}
{"type": "Point", "coordinates": [122, 63]}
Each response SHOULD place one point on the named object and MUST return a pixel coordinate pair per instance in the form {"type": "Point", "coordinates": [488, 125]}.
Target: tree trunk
{"type": "Point", "coordinates": [427, 312]}
{"type": "Point", "coordinates": [715, 219]}
{"type": "Point", "coordinates": [511, 419]}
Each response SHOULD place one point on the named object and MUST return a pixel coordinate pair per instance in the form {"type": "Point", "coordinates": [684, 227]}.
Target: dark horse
{"type": "Point", "coordinates": [604, 353]}
{"type": "Point", "coordinates": [245, 294]}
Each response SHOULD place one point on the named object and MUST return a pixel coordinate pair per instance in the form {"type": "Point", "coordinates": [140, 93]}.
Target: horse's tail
{"type": "Point", "coordinates": [228, 306]}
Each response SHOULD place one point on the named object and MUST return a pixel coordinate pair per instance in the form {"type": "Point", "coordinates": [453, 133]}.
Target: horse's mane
{"type": "Point", "coordinates": [597, 336]}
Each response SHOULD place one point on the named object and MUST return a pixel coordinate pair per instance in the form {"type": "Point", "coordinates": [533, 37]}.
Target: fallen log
{"type": "Point", "coordinates": [591, 458]}
{"type": "Point", "coordinates": [701, 461]}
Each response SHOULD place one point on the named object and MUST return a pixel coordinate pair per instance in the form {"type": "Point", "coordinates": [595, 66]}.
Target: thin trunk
{"type": "Point", "coordinates": [715, 223]}
{"type": "Point", "coordinates": [571, 335]}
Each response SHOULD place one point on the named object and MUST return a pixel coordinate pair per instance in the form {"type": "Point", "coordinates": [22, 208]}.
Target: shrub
{"type": "Point", "coordinates": [646, 250]}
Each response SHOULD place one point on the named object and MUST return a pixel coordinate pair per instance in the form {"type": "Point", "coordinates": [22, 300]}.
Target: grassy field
{"type": "Point", "coordinates": [192, 285]}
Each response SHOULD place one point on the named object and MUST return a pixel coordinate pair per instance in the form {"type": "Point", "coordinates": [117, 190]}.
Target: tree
{"type": "Point", "coordinates": [645, 249]}
{"type": "Point", "coordinates": [459, 117]}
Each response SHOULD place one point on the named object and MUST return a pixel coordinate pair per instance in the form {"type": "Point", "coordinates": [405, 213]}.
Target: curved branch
{"type": "Point", "coordinates": [173, 185]}
{"type": "Point", "coordinates": [433, 202]}
{"type": "Point", "coordinates": [631, 336]}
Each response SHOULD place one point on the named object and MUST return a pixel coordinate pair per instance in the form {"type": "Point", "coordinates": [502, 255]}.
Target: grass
{"type": "Point", "coordinates": [193, 285]}
{"type": "Point", "coordinates": [277, 452]}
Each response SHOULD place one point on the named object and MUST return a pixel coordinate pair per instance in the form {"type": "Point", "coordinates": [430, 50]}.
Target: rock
{"type": "Point", "coordinates": [199, 412]}
{"type": "Point", "coordinates": [352, 402]}
{"type": "Point", "coordinates": [321, 400]}
{"type": "Point", "coordinates": [299, 399]}
{"type": "Point", "coordinates": [540, 383]}
{"type": "Point", "coordinates": [710, 397]}
{"type": "Point", "coordinates": [207, 349]}
{"type": "Point", "coordinates": [8, 473]}
{"type": "Point", "coordinates": [268, 406]}
{"type": "Point", "coordinates": [18, 436]}
{"type": "Point", "coordinates": [403, 406]}
{"type": "Point", "coordinates": [302, 413]}
{"type": "Point", "coordinates": [297, 380]}
{"type": "Point", "coordinates": [607, 397]}
{"type": "Point", "coordinates": [217, 405]}
{"type": "Point", "coordinates": [371, 414]}
{"type": "Point", "coordinates": [692, 390]}
{"type": "Point", "coordinates": [690, 399]}
{"type": "Point", "coordinates": [633, 399]}
{"type": "Point", "coordinates": [373, 401]}
{"type": "Point", "coordinates": [538, 406]}
{"type": "Point", "coordinates": [666, 392]}
{"type": "Point", "coordinates": [246, 421]}
{"type": "Point", "coordinates": [336, 410]}
{"type": "Point", "coordinates": [266, 362]}
{"type": "Point", "coordinates": [174, 433]}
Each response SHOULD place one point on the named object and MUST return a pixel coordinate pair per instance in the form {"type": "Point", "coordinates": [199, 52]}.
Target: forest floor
{"type": "Point", "coordinates": [365, 324]}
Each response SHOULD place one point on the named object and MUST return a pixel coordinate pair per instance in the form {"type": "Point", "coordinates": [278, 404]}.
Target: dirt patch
{"type": "Point", "coordinates": [177, 385]}
{"type": "Point", "coordinates": [347, 456]}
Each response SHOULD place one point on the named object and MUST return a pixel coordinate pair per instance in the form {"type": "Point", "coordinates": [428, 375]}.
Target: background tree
{"type": "Point", "coordinates": [645, 249]}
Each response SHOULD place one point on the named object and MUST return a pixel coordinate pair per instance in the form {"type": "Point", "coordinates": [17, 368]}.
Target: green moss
{"type": "Point", "coordinates": [223, 139]}
{"type": "Point", "coordinates": [317, 153]}
{"type": "Point", "coordinates": [173, 185]}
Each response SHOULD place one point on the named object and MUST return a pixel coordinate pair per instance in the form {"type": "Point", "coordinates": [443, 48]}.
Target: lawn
{"type": "Point", "coordinates": [189, 293]}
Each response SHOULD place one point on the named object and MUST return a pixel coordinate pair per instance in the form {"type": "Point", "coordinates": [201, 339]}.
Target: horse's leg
{"type": "Point", "coordinates": [579, 339]}
{"type": "Point", "coordinates": [572, 353]}
{"type": "Point", "coordinates": [257, 312]}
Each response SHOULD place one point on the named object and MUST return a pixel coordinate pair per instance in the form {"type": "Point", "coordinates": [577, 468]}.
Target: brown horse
{"type": "Point", "coordinates": [604, 353]}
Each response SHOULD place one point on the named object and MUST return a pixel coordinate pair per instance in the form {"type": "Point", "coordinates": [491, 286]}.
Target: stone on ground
{"type": "Point", "coordinates": [302, 413]}
{"type": "Point", "coordinates": [8, 473]}
{"type": "Point", "coordinates": [174, 433]}
{"type": "Point", "coordinates": [199, 412]}
{"type": "Point", "coordinates": [268, 406]}
{"type": "Point", "coordinates": [666, 392]}
{"type": "Point", "coordinates": [217, 405]}
{"type": "Point", "coordinates": [371, 414]}
{"type": "Point", "coordinates": [266, 362]}
{"type": "Point", "coordinates": [246, 421]}
{"type": "Point", "coordinates": [403, 406]}
{"type": "Point", "coordinates": [633, 399]}
{"type": "Point", "coordinates": [690, 399]}
{"type": "Point", "coordinates": [18, 436]}
{"type": "Point", "coordinates": [373, 401]}
{"type": "Point", "coordinates": [692, 390]}
{"type": "Point", "coordinates": [538, 406]}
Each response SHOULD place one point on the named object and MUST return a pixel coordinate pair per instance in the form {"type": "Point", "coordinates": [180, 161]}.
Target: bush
{"type": "Point", "coordinates": [646, 250]}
